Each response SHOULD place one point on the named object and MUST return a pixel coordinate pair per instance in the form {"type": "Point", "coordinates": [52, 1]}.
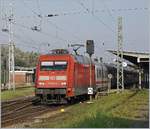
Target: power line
{"type": "Point", "coordinates": [83, 6]}
{"type": "Point", "coordinates": [41, 18]}
{"type": "Point", "coordinates": [122, 10]}
{"type": "Point", "coordinates": [85, 12]}
{"type": "Point", "coordinates": [93, 3]}
{"type": "Point", "coordinates": [19, 38]}
{"type": "Point", "coordinates": [108, 10]}
{"type": "Point", "coordinates": [41, 32]}
{"type": "Point", "coordinates": [98, 19]}
{"type": "Point", "coordinates": [33, 41]}
{"type": "Point", "coordinates": [29, 43]}
{"type": "Point", "coordinates": [61, 29]}
{"type": "Point", "coordinates": [49, 15]}
{"type": "Point", "coordinates": [38, 6]}
{"type": "Point", "coordinates": [30, 9]}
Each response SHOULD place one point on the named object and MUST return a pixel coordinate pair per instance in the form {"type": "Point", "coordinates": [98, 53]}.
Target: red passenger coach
{"type": "Point", "coordinates": [61, 76]}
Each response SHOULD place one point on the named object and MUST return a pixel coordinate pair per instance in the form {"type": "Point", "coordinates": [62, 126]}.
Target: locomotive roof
{"type": "Point", "coordinates": [61, 52]}
{"type": "Point", "coordinates": [79, 58]}
{"type": "Point", "coordinates": [82, 59]}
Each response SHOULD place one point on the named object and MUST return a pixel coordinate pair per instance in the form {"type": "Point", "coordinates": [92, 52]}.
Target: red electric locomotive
{"type": "Point", "coordinates": [61, 76]}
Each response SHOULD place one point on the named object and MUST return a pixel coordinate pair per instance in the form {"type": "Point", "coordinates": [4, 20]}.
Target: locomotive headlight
{"type": "Point", "coordinates": [41, 83]}
{"type": "Point", "coordinates": [63, 83]}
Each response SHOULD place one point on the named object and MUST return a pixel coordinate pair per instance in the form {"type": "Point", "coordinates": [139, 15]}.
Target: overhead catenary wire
{"type": "Point", "coordinates": [98, 19]}
{"type": "Point", "coordinates": [94, 11]}
{"type": "Point", "coordinates": [28, 37]}
{"type": "Point", "coordinates": [20, 38]}
{"type": "Point", "coordinates": [63, 30]}
{"type": "Point", "coordinates": [38, 15]}
{"type": "Point", "coordinates": [38, 6]}
{"type": "Point", "coordinates": [25, 4]}
{"type": "Point", "coordinates": [41, 32]}
{"type": "Point", "coordinates": [93, 3]}
{"type": "Point", "coordinates": [79, 12]}
{"type": "Point", "coordinates": [41, 19]}
{"type": "Point", "coordinates": [3, 16]}
{"type": "Point", "coordinates": [108, 10]}
{"type": "Point", "coordinates": [26, 43]}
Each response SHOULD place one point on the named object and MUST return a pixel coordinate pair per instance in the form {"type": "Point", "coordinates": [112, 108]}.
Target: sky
{"type": "Point", "coordinates": [75, 22]}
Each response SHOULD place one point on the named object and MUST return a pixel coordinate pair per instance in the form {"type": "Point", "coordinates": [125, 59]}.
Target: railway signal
{"type": "Point", "coordinates": [90, 47]}
{"type": "Point", "coordinates": [90, 51]}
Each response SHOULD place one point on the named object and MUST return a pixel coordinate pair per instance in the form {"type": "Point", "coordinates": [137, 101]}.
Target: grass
{"type": "Point", "coordinates": [113, 111]}
{"type": "Point", "coordinates": [21, 92]}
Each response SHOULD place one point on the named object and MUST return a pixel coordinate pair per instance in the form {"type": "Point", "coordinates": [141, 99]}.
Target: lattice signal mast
{"type": "Point", "coordinates": [11, 52]}
{"type": "Point", "coordinates": [120, 75]}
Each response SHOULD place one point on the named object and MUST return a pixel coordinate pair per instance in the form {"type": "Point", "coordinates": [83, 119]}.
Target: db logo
{"type": "Point", "coordinates": [52, 78]}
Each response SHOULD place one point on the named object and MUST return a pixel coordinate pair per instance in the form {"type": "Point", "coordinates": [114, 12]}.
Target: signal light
{"type": "Point", "coordinates": [90, 47]}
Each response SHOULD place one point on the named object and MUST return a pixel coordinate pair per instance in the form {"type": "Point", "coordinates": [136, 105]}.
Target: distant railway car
{"type": "Point", "coordinates": [130, 76]}
{"type": "Point", "coordinates": [101, 76]}
{"type": "Point", "coordinates": [61, 75]}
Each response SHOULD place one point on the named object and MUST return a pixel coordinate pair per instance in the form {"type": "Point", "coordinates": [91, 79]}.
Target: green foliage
{"type": "Point", "coordinates": [23, 59]}
{"type": "Point", "coordinates": [113, 111]}
{"type": "Point", "coordinates": [10, 94]}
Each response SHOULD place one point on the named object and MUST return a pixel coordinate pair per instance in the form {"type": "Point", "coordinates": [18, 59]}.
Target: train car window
{"type": "Point", "coordinates": [97, 74]}
{"type": "Point", "coordinates": [104, 73]}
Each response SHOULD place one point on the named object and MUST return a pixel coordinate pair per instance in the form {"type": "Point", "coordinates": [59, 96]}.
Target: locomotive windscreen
{"type": "Point", "coordinates": [53, 65]}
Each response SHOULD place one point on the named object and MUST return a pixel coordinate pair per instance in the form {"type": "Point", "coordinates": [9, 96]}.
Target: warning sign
{"type": "Point", "coordinates": [90, 90]}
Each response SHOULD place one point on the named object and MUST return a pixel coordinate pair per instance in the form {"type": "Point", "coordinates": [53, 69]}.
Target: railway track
{"type": "Point", "coordinates": [11, 105]}
{"type": "Point", "coordinates": [17, 111]}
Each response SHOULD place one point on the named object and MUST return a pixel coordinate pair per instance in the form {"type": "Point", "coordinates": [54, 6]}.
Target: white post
{"type": "Point", "coordinates": [140, 80]}
{"type": "Point", "coordinates": [90, 77]}
{"type": "Point", "coordinates": [0, 67]}
{"type": "Point", "coordinates": [9, 77]}
{"type": "Point", "coordinates": [109, 82]}
{"type": "Point", "coordinates": [0, 77]}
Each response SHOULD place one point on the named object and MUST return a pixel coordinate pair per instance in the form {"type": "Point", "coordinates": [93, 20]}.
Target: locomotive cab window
{"type": "Point", "coordinates": [60, 65]}
{"type": "Point", "coordinates": [53, 65]}
{"type": "Point", "coordinates": [46, 65]}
